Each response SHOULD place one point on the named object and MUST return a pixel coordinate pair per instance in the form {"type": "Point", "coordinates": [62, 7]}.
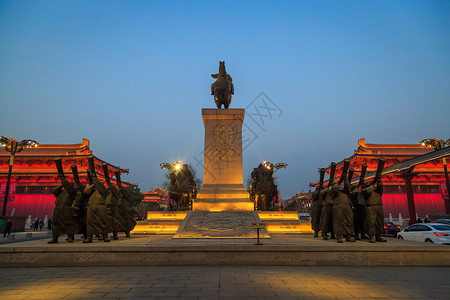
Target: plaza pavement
{"type": "Point", "coordinates": [23, 236]}
{"type": "Point", "coordinates": [225, 282]}
{"type": "Point", "coordinates": [156, 250]}
{"type": "Point", "coordinates": [221, 281]}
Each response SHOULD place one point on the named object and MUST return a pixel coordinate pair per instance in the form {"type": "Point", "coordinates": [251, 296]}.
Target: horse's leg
{"type": "Point", "coordinates": [228, 101]}
{"type": "Point", "coordinates": [217, 100]}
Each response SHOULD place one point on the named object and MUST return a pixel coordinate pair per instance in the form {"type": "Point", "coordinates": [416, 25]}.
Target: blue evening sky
{"type": "Point", "coordinates": [132, 77]}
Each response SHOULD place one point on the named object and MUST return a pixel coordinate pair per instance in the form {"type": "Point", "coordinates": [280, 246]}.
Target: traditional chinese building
{"type": "Point", "coordinates": [34, 175]}
{"type": "Point", "coordinates": [426, 182]}
{"type": "Point", "coordinates": [158, 196]}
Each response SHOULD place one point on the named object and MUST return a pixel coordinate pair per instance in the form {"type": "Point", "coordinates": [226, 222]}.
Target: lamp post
{"type": "Point", "coordinates": [438, 145]}
{"type": "Point", "coordinates": [13, 146]}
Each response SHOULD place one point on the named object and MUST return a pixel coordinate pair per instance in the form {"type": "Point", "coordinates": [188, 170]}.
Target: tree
{"type": "Point", "coordinates": [135, 195]}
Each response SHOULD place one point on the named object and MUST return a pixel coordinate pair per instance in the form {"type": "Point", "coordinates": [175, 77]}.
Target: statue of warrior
{"type": "Point", "coordinates": [97, 217]}
{"type": "Point", "coordinates": [359, 205]}
{"type": "Point", "coordinates": [127, 213]}
{"type": "Point", "coordinates": [326, 216]}
{"type": "Point", "coordinates": [223, 87]}
{"type": "Point", "coordinates": [64, 214]}
{"type": "Point", "coordinates": [316, 208]}
{"type": "Point", "coordinates": [342, 210]}
{"type": "Point", "coordinates": [112, 202]}
{"type": "Point", "coordinates": [374, 215]}
{"type": "Point", "coordinates": [80, 201]}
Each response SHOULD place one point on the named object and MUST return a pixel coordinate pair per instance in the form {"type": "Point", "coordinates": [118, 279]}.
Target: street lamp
{"type": "Point", "coordinates": [438, 145]}
{"type": "Point", "coordinates": [176, 166]}
{"type": "Point", "coordinates": [13, 146]}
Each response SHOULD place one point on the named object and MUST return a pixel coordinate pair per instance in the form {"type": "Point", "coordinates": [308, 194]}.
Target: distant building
{"type": "Point", "coordinates": [157, 196]}
{"type": "Point", "coordinates": [426, 184]}
{"type": "Point", "coordinates": [34, 174]}
{"type": "Point", "coordinates": [300, 202]}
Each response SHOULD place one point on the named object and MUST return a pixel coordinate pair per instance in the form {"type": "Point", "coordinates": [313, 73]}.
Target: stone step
{"type": "Point", "coordinates": [221, 205]}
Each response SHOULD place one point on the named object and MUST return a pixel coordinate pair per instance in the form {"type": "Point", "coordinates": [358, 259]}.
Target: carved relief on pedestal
{"type": "Point", "coordinates": [21, 258]}
{"type": "Point", "coordinates": [223, 139]}
{"type": "Point", "coordinates": [88, 257]}
{"type": "Point", "coordinates": [220, 256]}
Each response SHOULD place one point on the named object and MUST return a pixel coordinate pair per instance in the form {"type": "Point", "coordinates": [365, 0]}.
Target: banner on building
{"type": "Point", "coordinates": [444, 189]}
{"type": "Point", "coordinates": [12, 190]}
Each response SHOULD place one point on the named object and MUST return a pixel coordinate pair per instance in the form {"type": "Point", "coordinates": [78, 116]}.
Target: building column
{"type": "Point", "coordinates": [408, 176]}
{"type": "Point", "coordinates": [446, 201]}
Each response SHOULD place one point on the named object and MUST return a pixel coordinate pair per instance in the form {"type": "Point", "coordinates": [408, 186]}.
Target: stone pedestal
{"type": "Point", "coordinates": [223, 187]}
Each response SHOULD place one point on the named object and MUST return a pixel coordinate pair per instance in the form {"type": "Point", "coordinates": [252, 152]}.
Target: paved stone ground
{"type": "Point", "coordinates": [41, 239]}
{"type": "Point", "coordinates": [21, 236]}
{"type": "Point", "coordinates": [225, 282]}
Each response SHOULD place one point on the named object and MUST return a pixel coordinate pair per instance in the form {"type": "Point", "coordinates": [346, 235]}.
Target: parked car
{"type": "Point", "coordinates": [304, 217]}
{"type": "Point", "coordinates": [391, 229]}
{"type": "Point", "coordinates": [434, 233]}
{"type": "Point", "coordinates": [443, 221]}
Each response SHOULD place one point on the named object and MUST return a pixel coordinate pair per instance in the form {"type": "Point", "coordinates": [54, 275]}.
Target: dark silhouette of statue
{"type": "Point", "coordinates": [80, 201]}
{"type": "Point", "coordinates": [223, 87]}
{"type": "Point", "coordinates": [98, 220]}
{"type": "Point", "coordinates": [263, 187]}
{"type": "Point", "coordinates": [183, 188]}
{"type": "Point", "coordinates": [342, 210]}
{"type": "Point", "coordinates": [374, 216]}
{"type": "Point", "coordinates": [359, 205]}
{"type": "Point", "coordinates": [112, 202]}
{"type": "Point", "coordinates": [126, 212]}
{"type": "Point", "coordinates": [65, 219]}
{"type": "Point", "coordinates": [326, 216]}
{"type": "Point", "coordinates": [316, 207]}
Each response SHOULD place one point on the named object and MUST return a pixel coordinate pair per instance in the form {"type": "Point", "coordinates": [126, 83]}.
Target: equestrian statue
{"type": "Point", "coordinates": [223, 87]}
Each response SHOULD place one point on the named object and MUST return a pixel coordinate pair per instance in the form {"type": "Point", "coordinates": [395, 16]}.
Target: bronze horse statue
{"type": "Point", "coordinates": [223, 87]}
{"type": "Point", "coordinates": [263, 187]}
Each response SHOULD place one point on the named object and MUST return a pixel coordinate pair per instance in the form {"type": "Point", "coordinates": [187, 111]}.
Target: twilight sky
{"type": "Point", "coordinates": [133, 76]}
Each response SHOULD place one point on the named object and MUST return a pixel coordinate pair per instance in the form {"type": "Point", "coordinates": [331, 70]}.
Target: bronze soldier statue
{"type": "Point", "coordinates": [326, 216]}
{"type": "Point", "coordinates": [342, 211]}
{"type": "Point", "coordinates": [223, 87]}
{"type": "Point", "coordinates": [316, 208]}
{"type": "Point", "coordinates": [374, 221]}
{"type": "Point", "coordinates": [113, 203]}
{"type": "Point", "coordinates": [97, 218]}
{"type": "Point", "coordinates": [64, 213]}
{"type": "Point", "coordinates": [127, 213]}
{"type": "Point", "coordinates": [359, 205]}
{"type": "Point", "coordinates": [80, 201]}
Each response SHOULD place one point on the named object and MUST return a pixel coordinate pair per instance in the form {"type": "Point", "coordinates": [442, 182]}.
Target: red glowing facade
{"type": "Point", "coordinates": [35, 174]}
{"type": "Point", "coordinates": [426, 181]}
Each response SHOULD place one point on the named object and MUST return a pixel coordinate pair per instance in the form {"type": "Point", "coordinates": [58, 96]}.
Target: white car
{"type": "Point", "coordinates": [434, 233]}
{"type": "Point", "coordinates": [304, 217]}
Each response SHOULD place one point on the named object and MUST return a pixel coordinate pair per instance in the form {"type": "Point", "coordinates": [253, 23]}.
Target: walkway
{"type": "Point", "coordinates": [225, 282]}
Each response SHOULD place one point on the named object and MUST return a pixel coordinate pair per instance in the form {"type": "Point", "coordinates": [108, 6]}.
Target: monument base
{"type": "Point", "coordinates": [225, 224]}
{"type": "Point", "coordinates": [284, 223]}
{"type": "Point", "coordinates": [160, 222]}
{"type": "Point", "coordinates": [220, 197]}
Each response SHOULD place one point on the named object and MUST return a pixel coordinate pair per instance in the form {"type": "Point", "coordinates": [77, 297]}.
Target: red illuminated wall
{"type": "Point", "coordinates": [426, 204]}
{"type": "Point", "coordinates": [36, 205]}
